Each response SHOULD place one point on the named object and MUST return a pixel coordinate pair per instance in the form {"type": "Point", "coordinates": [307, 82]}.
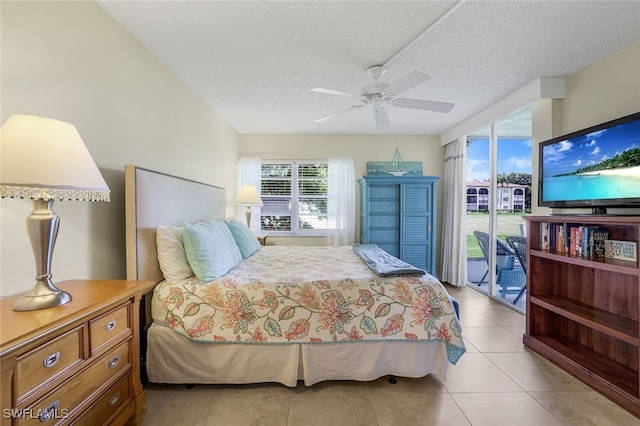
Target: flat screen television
{"type": "Point", "coordinates": [597, 167]}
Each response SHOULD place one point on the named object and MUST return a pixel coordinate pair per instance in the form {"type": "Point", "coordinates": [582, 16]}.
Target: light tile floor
{"type": "Point", "coordinates": [497, 382]}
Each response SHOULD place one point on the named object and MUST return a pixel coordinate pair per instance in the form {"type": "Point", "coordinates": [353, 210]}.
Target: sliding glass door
{"type": "Point", "coordinates": [498, 194]}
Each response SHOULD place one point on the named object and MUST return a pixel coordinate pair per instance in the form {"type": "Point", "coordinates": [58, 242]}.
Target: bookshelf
{"type": "Point", "coordinates": [583, 311]}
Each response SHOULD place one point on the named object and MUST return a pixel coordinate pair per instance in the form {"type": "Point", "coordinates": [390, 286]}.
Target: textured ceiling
{"type": "Point", "coordinates": [254, 62]}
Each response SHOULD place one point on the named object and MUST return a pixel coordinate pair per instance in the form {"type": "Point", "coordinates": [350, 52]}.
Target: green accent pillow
{"type": "Point", "coordinates": [245, 239]}
{"type": "Point", "coordinates": [211, 249]}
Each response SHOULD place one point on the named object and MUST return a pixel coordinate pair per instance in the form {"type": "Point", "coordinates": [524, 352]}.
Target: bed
{"type": "Point", "coordinates": [282, 314]}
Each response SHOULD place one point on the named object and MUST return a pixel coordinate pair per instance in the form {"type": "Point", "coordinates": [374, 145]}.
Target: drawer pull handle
{"type": "Point", "coordinates": [49, 412]}
{"type": "Point", "coordinates": [51, 360]}
{"type": "Point", "coordinates": [114, 399]}
{"type": "Point", "coordinates": [111, 325]}
{"type": "Point", "coordinates": [114, 361]}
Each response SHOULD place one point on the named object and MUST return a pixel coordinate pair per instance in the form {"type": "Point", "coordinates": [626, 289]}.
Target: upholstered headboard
{"type": "Point", "coordinates": [153, 199]}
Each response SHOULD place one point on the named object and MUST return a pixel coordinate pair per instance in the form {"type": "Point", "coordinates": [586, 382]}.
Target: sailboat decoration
{"type": "Point", "coordinates": [399, 168]}
{"type": "Point", "coordinates": [396, 167]}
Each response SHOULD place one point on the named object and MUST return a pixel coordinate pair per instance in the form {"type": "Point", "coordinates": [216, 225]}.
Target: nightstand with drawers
{"type": "Point", "coordinates": [262, 239]}
{"type": "Point", "coordinates": [77, 363]}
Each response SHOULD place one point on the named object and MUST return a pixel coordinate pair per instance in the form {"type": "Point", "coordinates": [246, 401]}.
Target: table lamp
{"type": "Point", "coordinates": [248, 196]}
{"type": "Point", "coordinates": [46, 160]}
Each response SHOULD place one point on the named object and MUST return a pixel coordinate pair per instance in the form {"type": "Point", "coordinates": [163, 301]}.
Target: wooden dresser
{"type": "Point", "coordinates": [77, 363]}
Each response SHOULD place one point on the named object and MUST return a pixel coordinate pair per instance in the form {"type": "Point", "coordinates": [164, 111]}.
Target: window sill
{"type": "Point", "coordinates": [276, 234]}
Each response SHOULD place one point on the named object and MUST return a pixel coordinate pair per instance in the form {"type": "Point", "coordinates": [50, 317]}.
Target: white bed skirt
{"type": "Point", "coordinates": [172, 358]}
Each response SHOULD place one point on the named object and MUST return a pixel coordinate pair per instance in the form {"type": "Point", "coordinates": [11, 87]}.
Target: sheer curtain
{"type": "Point", "coordinates": [249, 173]}
{"type": "Point", "coordinates": [454, 242]}
{"type": "Point", "coordinates": [341, 201]}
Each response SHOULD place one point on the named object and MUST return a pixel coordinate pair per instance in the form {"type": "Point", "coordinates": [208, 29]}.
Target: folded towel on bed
{"type": "Point", "coordinates": [382, 263]}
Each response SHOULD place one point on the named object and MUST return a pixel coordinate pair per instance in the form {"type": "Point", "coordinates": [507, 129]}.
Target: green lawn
{"type": "Point", "coordinates": [508, 224]}
{"type": "Point", "coordinates": [473, 248]}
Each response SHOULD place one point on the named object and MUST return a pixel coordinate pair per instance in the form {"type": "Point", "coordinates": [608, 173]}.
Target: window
{"type": "Point", "coordinates": [294, 194]}
{"type": "Point", "coordinates": [483, 199]}
{"type": "Point", "coordinates": [472, 199]}
{"type": "Point", "coordinates": [518, 199]}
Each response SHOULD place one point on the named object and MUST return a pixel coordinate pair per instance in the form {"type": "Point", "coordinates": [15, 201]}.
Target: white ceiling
{"type": "Point", "coordinates": [254, 62]}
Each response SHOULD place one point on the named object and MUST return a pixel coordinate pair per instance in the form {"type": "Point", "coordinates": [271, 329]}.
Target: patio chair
{"type": "Point", "coordinates": [519, 246]}
{"type": "Point", "coordinates": [510, 277]}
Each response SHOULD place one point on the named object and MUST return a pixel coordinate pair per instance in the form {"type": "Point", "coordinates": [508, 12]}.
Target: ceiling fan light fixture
{"type": "Point", "coordinates": [373, 98]}
{"type": "Point", "coordinates": [377, 87]}
{"type": "Point", "coordinates": [376, 72]}
{"type": "Point", "coordinates": [377, 105]}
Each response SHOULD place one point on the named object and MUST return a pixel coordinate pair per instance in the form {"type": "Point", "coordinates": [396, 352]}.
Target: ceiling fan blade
{"type": "Point", "coordinates": [342, 111]}
{"type": "Point", "coordinates": [422, 104]}
{"type": "Point", "coordinates": [382, 120]}
{"type": "Point", "coordinates": [405, 83]}
{"type": "Point", "coordinates": [333, 92]}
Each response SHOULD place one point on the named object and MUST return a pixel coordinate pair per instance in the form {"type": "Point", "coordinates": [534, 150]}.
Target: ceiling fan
{"type": "Point", "coordinates": [379, 95]}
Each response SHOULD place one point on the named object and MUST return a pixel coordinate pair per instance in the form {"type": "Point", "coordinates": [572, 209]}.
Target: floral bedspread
{"type": "Point", "coordinates": [311, 295]}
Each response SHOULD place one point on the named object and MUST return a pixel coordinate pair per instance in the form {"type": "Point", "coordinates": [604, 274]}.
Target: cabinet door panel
{"type": "Point", "coordinates": [415, 228]}
{"type": "Point", "coordinates": [415, 199]}
{"type": "Point", "coordinates": [416, 255]}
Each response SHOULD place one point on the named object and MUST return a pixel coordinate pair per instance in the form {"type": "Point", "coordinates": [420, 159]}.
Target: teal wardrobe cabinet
{"type": "Point", "coordinates": [398, 214]}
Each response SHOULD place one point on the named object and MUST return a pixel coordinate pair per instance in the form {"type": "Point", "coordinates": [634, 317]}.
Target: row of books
{"type": "Point", "coordinates": [573, 239]}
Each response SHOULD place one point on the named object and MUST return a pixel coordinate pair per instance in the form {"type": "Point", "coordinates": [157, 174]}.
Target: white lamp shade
{"type": "Point", "coordinates": [43, 158]}
{"type": "Point", "coordinates": [248, 196]}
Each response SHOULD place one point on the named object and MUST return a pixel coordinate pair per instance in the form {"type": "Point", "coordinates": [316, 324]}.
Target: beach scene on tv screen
{"type": "Point", "coordinates": [604, 164]}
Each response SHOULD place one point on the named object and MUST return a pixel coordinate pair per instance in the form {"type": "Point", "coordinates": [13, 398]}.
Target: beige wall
{"type": "Point", "coordinates": [361, 148]}
{"type": "Point", "coordinates": [72, 62]}
{"type": "Point", "coordinates": [546, 122]}
{"type": "Point", "coordinates": [604, 91]}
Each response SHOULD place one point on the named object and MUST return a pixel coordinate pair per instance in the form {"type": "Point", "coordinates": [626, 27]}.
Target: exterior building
{"type": "Point", "coordinates": [510, 197]}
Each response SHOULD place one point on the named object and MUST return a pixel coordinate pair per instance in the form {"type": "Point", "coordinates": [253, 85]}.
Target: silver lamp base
{"type": "Point", "coordinates": [42, 226]}
{"type": "Point", "coordinates": [248, 214]}
{"type": "Point", "coordinates": [43, 295]}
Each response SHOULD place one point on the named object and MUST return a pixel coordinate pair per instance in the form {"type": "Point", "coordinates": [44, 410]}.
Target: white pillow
{"type": "Point", "coordinates": [171, 255]}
